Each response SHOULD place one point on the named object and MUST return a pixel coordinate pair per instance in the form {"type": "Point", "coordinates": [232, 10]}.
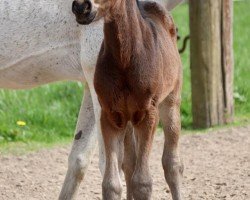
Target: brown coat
{"type": "Point", "coordinates": [138, 64]}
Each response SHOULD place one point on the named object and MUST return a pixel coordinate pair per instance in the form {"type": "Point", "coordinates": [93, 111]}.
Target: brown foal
{"type": "Point", "coordinates": [138, 80]}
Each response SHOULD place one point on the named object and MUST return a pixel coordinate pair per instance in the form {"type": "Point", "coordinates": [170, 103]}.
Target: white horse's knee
{"type": "Point", "coordinates": [78, 165]}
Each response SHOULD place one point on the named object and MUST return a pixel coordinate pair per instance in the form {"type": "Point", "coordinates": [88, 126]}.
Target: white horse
{"type": "Point", "coordinates": [41, 42]}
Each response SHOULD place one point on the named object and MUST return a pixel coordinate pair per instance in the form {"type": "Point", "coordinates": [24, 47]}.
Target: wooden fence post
{"type": "Point", "coordinates": [211, 62]}
{"type": "Point", "coordinates": [227, 59]}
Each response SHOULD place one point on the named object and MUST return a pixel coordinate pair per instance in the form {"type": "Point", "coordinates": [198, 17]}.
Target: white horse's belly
{"type": "Point", "coordinates": [45, 67]}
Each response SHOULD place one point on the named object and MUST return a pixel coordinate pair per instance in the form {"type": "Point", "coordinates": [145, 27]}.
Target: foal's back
{"type": "Point", "coordinates": [161, 61]}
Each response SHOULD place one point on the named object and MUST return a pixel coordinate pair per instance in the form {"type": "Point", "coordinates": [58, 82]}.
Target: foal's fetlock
{"type": "Point", "coordinates": [181, 167]}
{"type": "Point", "coordinates": [142, 188]}
{"type": "Point", "coordinates": [111, 191]}
{"type": "Point", "coordinates": [173, 166]}
{"type": "Point", "coordinates": [173, 169]}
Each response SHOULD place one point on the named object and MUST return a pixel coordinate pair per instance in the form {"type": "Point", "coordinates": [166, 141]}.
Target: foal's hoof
{"type": "Point", "coordinates": [142, 188]}
{"type": "Point", "coordinates": [111, 191]}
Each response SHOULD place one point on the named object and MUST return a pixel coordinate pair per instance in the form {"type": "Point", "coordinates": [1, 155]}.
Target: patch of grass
{"type": "Point", "coordinates": [181, 18]}
{"type": "Point", "coordinates": [50, 112]}
{"type": "Point", "coordinates": [242, 60]}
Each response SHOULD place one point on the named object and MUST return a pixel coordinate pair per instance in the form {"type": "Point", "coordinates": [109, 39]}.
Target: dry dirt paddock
{"type": "Point", "coordinates": [217, 166]}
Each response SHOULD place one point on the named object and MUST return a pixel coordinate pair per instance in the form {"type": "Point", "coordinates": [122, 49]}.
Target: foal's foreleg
{"type": "Point", "coordinates": [129, 160]}
{"type": "Point", "coordinates": [82, 150]}
{"type": "Point", "coordinates": [173, 168]}
{"type": "Point", "coordinates": [113, 141]}
{"type": "Point", "coordinates": [144, 131]}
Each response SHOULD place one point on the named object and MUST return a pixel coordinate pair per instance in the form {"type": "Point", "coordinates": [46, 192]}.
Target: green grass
{"type": "Point", "coordinates": [181, 19]}
{"type": "Point", "coordinates": [242, 60]}
{"type": "Point", "coordinates": [50, 112]}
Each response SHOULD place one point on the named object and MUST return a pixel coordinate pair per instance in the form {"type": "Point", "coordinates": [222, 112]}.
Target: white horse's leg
{"type": "Point", "coordinates": [97, 109]}
{"type": "Point", "coordinates": [102, 156]}
{"type": "Point", "coordinates": [82, 150]}
{"type": "Point", "coordinates": [91, 39]}
{"type": "Point", "coordinates": [89, 75]}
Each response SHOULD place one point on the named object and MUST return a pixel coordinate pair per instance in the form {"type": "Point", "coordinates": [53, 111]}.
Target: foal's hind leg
{"type": "Point", "coordinates": [129, 160]}
{"type": "Point", "coordinates": [144, 132]}
{"type": "Point", "coordinates": [170, 118]}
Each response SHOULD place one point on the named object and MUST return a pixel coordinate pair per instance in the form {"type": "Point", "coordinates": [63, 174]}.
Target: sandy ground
{"type": "Point", "coordinates": [217, 166]}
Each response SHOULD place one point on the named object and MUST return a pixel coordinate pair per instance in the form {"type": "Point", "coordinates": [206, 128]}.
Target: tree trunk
{"type": "Point", "coordinates": [211, 66]}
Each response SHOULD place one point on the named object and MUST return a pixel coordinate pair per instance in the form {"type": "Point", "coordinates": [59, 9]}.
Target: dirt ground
{"type": "Point", "coordinates": [217, 166]}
